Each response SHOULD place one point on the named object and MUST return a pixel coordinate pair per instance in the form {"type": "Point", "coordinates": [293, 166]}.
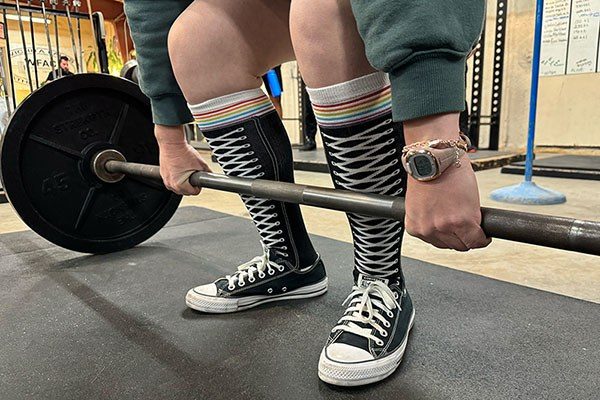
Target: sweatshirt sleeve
{"type": "Point", "coordinates": [149, 22]}
{"type": "Point", "coordinates": [423, 46]}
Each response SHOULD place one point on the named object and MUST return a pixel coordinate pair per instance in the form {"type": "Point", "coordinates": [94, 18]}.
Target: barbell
{"type": "Point", "coordinates": [77, 166]}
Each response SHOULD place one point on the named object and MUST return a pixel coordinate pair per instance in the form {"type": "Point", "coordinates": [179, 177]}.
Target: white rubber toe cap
{"type": "Point", "coordinates": [207, 290]}
{"type": "Point", "coordinates": [341, 352]}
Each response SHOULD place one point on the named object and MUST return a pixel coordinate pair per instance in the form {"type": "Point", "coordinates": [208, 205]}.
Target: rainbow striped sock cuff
{"type": "Point", "coordinates": [352, 102]}
{"type": "Point", "coordinates": [231, 109]}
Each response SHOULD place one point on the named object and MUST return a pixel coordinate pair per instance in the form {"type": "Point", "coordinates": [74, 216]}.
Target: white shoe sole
{"type": "Point", "coordinates": [357, 374]}
{"type": "Point", "coordinates": [221, 305]}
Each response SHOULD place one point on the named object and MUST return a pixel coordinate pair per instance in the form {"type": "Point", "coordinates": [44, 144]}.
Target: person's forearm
{"type": "Point", "coordinates": [440, 126]}
{"type": "Point", "coordinates": [169, 135]}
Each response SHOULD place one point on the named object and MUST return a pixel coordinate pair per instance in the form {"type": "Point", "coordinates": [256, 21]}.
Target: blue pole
{"type": "Point", "coordinates": [535, 77]}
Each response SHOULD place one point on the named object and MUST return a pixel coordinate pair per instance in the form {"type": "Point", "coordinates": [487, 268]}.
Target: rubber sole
{"type": "Point", "coordinates": [222, 305]}
{"type": "Point", "coordinates": [358, 374]}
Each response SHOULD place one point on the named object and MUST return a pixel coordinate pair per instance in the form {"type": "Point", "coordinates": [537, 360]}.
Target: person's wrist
{"type": "Point", "coordinates": [441, 126]}
{"type": "Point", "coordinates": [169, 135]}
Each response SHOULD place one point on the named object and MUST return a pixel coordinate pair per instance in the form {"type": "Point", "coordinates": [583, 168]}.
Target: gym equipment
{"type": "Point", "coordinates": [527, 192]}
{"type": "Point", "coordinates": [20, 18]}
{"type": "Point", "coordinates": [46, 164]}
{"type": "Point", "coordinates": [54, 3]}
{"type": "Point", "coordinates": [72, 34]}
{"type": "Point", "coordinates": [130, 71]}
{"type": "Point", "coordinates": [274, 83]}
{"type": "Point", "coordinates": [12, 80]}
{"type": "Point", "coordinates": [4, 86]}
{"type": "Point", "coordinates": [100, 36]}
{"type": "Point", "coordinates": [77, 5]}
{"type": "Point", "coordinates": [73, 163]}
{"type": "Point", "coordinates": [48, 40]}
{"type": "Point", "coordinates": [32, 30]}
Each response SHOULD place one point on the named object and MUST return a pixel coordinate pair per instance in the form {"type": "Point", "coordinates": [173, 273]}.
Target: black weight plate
{"type": "Point", "coordinates": [45, 163]}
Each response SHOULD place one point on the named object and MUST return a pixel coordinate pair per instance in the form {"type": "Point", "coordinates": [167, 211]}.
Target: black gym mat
{"type": "Point", "coordinates": [564, 166]}
{"type": "Point", "coordinates": [116, 327]}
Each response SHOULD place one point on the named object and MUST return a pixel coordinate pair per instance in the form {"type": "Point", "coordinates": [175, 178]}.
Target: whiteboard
{"type": "Point", "coordinates": [570, 37]}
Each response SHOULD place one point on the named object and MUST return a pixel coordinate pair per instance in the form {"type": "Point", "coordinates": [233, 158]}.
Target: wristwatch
{"type": "Point", "coordinates": [427, 160]}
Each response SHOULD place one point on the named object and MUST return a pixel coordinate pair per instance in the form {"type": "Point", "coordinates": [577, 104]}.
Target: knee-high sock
{"type": "Point", "coordinates": [363, 148]}
{"type": "Point", "coordinates": [249, 140]}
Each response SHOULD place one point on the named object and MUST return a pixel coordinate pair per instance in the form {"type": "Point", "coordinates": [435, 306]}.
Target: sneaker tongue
{"type": "Point", "coordinates": [364, 281]}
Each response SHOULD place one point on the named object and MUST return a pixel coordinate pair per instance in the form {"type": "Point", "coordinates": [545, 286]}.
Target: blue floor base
{"type": "Point", "coordinates": [527, 193]}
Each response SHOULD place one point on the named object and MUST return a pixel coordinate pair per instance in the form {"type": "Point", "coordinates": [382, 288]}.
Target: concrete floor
{"type": "Point", "coordinates": [567, 273]}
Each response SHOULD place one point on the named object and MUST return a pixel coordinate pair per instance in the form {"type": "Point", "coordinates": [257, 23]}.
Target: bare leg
{"type": "Point", "coordinates": [326, 42]}
{"type": "Point", "coordinates": [219, 50]}
{"type": "Point", "coordinates": [352, 105]}
{"type": "Point", "coordinates": [218, 47]}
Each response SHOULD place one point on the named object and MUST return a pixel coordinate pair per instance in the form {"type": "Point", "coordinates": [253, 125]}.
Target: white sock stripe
{"type": "Point", "coordinates": [345, 91]}
{"type": "Point", "coordinates": [224, 101]}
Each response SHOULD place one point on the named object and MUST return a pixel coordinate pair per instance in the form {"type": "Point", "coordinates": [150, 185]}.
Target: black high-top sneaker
{"type": "Point", "coordinates": [260, 280]}
{"type": "Point", "coordinates": [289, 268]}
{"type": "Point", "coordinates": [368, 342]}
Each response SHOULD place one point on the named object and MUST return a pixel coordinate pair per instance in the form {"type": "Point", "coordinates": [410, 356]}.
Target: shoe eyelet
{"type": "Point", "coordinates": [244, 138]}
{"type": "Point", "coordinates": [271, 272]}
{"type": "Point", "coordinates": [390, 314]}
{"type": "Point", "coordinates": [252, 280]}
{"type": "Point", "coordinates": [280, 232]}
{"type": "Point", "coordinates": [281, 268]}
{"type": "Point", "coordinates": [241, 283]}
{"type": "Point", "coordinates": [269, 290]}
{"type": "Point", "coordinates": [379, 342]}
{"type": "Point", "coordinates": [230, 287]}
{"type": "Point", "coordinates": [387, 324]}
{"type": "Point", "coordinates": [261, 275]}
{"type": "Point", "coordinates": [277, 223]}
{"type": "Point", "coordinates": [284, 289]}
{"type": "Point", "coordinates": [284, 248]}
{"type": "Point", "coordinates": [383, 333]}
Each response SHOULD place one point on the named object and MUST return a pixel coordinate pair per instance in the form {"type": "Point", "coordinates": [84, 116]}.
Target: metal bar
{"type": "Point", "coordinates": [35, 66]}
{"type": "Point", "coordinates": [11, 6]}
{"type": "Point", "coordinates": [477, 89]}
{"type": "Point", "coordinates": [55, 17]}
{"type": "Point", "coordinates": [10, 68]}
{"type": "Point", "coordinates": [498, 72]}
{"type": "Point", "coordinates": [72, 34]}
{"type": "Point", "coordinates": [543, 230]}
{"type": "Point", "coordinates": [22, 29]}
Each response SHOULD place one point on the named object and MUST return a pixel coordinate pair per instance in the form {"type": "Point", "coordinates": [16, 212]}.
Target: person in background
{"type": "Point", "coordinates": [62, 70]}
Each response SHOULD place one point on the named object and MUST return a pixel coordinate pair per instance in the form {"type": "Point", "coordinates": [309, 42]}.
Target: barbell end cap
{"type": "Point", "coordinates": [99, 165]}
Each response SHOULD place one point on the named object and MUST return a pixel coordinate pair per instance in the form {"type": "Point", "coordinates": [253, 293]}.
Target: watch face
{"type": "Point", "coordinates": [422, 166]}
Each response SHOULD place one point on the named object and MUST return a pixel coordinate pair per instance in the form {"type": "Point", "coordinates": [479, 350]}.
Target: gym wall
{"type": "Point", "coordinates": [568, 105]}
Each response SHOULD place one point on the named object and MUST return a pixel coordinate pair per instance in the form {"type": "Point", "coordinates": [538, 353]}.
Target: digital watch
{"type": "Point", "coordinates": [427, 160]}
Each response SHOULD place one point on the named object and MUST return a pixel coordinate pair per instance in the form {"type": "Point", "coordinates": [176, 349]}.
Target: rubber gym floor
{"type": "Point", "coordinates": [511, 321]}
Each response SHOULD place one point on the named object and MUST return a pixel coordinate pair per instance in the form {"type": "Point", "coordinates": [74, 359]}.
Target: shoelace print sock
{"type": "Point", "coordinates": [249, 140]}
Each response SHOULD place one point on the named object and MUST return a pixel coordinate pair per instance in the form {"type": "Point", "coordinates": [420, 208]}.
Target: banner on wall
{"type": "Point", "coordinates": [570, 37]}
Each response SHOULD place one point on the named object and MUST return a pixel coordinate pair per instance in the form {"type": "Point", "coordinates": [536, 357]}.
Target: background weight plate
{"type": "Point", "coordinates": [45, 163]}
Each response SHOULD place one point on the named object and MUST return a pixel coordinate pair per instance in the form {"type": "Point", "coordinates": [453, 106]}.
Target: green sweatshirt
{"type": "Point", "coordinates": [422, 44]}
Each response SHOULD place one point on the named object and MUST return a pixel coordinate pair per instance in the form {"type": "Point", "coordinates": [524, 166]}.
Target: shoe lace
{"type": "Point", "coordinates": [257, 266]}
{"type": "Point", "coordinates": [376, 301]}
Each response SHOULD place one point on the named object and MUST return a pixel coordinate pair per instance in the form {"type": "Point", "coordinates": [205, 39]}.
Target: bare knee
{"type": "Point", "coordinates": [326, 41]}
{"type": "Point", "coordinates": [206, 61]}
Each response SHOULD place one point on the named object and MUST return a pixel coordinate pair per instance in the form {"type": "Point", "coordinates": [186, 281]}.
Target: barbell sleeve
{"type": "Point", "coordinates": [537, 229]}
